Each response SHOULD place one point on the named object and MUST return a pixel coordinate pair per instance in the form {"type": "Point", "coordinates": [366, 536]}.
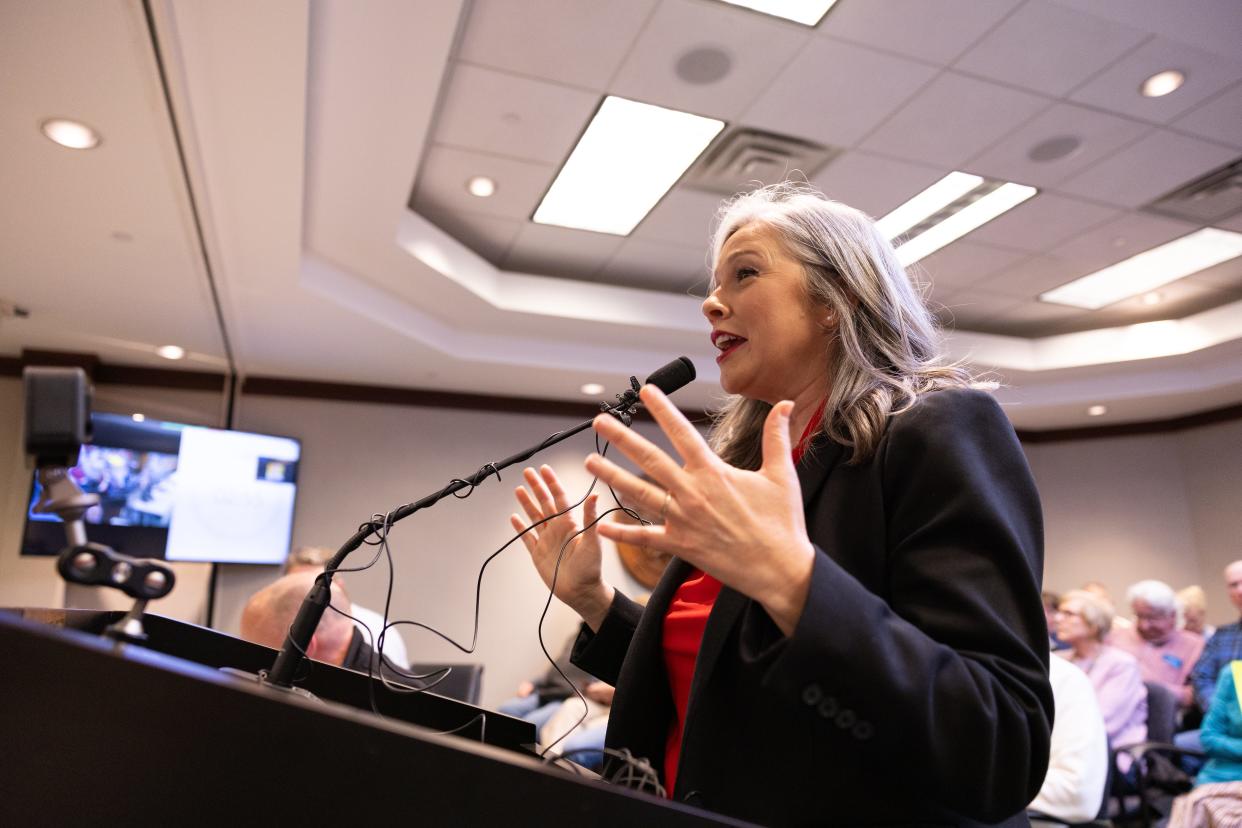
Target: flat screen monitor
{"type": "Point", "coordinates": [180, 492]}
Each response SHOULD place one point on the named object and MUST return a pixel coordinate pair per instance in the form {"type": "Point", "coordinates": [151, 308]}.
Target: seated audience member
{"type": "Point", "coordinates": [582, 743]}
{"type": "Point", "coordinates": [313, 559]}
{"type": "Point", "coordinates": [1193, 602]}
{"type": "Point", "coordinates": [1082, 622]}
{"type": "Point", "coordinates": [538, 700]}
{"type": "Point", "coordinates": [1096, 588]}
{"type": "Point", "coordinates": [1051, 602]}
{"type": "Point", "coordinates": [1216, 801]}
{"type": "Point", "coordinates": [1165, 654]}
{"type": "Point", "coordinates": [1224, 647]}
{"type": "Point", "coordinates": [269, 612]}
{"type": "Point", "coordinates": [1078, 760]}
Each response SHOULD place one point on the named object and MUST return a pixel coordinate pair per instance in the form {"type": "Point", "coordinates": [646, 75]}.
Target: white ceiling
{"type": "Point", "coordinates": [327, 146]}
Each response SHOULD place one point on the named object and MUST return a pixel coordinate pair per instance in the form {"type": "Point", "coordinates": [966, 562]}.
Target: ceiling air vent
{"type": "Point", "coordinates": [741, 157]}
{"type": "Point", "coordinates": [1207, 200]}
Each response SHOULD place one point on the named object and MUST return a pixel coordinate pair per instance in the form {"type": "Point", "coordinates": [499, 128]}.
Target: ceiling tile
{"type": "Point", "coordinates": [581, 44]}
{"type": "Point", "coordinates": [1214, 25]}
{"type": "Point", "coordinates": [533, 120]}
{"type": "Point", "coordinates": [1031, 277]}
{"type": "Point", "coordinates": [1032, 318]}
{"type": "Point", "coordinates": [1100, 135]}
{"type": "Point", "coordinates": [936, 32]}
{"type": "Point", "coordinates": [953, 119]}
{"type": "Point", "coordinates": [1041, 222]}
{"type": "Point", "coordinates": [835, 92]}
{"type": "Point", "coordinates": [559, 251]}
{"type": "Point", "coordinates": [757, 46]}
{"type": "Point", "coordinates": [1234, 223]}
{"type": "Point", "coordinates": [963, 263]}
{"type": "Point", "coordinates": [1219, 119]}
{"type": "Point", "coordinates": [677, 268]}
{"type": "Point", "coordinates": [1049, 49]}
{"type": "Point", "coordinates": [489, 236]}
{"type": "Point", "coordinates": [874, 184]}
{"type": "Point", "coordinates": [1117, 88]}
{"type": "Point", "coordinates": [1121, 238]}
{"type": "Point", "coordinates": [683, 216]}
{"type": "Point", "coordinates": [442, 181]}
{"type": "Point", "coordinates": [1147, 169]}
{"type": "Point", "coordinates": [972, 310]}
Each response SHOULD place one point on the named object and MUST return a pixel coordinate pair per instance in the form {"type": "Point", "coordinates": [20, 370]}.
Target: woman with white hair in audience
{"type": "Point", "coordinates": [1083, 620]}
{"type": "Point", "coordinates": [850, 631]}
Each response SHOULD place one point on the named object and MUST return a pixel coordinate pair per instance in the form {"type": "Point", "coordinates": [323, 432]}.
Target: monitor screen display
{"type": "Point", "coordinates": [180, 492]}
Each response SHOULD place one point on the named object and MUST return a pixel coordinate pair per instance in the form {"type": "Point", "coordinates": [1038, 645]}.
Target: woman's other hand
{"type": "Point", "coordinates": [745, 528]}
{"type": "Point", "coordinates": [578, 581]}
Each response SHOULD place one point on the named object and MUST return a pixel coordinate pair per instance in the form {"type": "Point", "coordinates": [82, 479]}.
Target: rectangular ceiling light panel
{"type": "Point", "coordinates": [806, 12]}
{"type": "Point", "coordinates": [1149, 270]}
{"type": "Point", "coordinates": [628, 158]}
{"type": "Point", "coordinates": [942, 196]}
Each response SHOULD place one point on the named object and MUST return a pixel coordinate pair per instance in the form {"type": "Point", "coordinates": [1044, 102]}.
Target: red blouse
{"type": "Point", "coordinates": [683, 634]}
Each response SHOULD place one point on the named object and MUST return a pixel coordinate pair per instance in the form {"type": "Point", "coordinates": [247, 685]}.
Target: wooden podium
{"type": "Point", "coordinates": [95, 732]}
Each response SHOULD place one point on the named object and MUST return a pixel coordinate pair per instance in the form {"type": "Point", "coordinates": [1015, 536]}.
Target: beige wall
{"type": "Point", "coordinates": [1117, 510]}
{"type": "Point", "coordinates": [1122, 509]}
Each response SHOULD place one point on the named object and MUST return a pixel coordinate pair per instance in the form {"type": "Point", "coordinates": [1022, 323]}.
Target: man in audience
{"type": "Point", "coordinates": [312, 559]}
{"type": "Point", "coordinates": [1051, 601]}
{"type": "Point", "coordinates": [1165, 654]}
{"type": "Point", "coordinates": [269, 612]}
{"type": "Point", "coordinates": [1073, 790]}
{"type": "Point", "coordinates": [1225, 646]}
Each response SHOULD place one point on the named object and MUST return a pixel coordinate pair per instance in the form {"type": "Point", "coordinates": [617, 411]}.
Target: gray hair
{"type": "Point", "coordinates": [885, 351]}
{"type": "Point", "coordinates": [1156, 594]}
{"type": "Point", "coordinates": [1096, 612]}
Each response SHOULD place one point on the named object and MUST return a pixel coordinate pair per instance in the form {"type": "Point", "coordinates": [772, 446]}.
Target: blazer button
{"type": "Point", "coordinates": [863, 731]}
{"type": "Point", "coordinates": [828, 707]}
{"type": "Point", "coordinates": [811, 695]}
{"type": "Point", "coordinates": [846, 719]}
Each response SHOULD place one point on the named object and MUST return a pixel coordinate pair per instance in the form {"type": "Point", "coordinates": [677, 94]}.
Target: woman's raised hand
{"type": "Point", "coordinates": [578, 581]}
{"type": "Point", "coordinates": [745, 528]}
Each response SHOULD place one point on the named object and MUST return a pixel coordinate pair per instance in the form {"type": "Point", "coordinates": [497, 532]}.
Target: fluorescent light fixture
{"type": "Point", "coordinates": [171, 351]}
{"type": "Point", "coordinates": [1097, 411]}
{"type": "Point", "coordinates": [71, 134]}
{"type": "Point", "coordinates": [628, 158]}
{"type": "Point", "coordinates": [985, 385]}
{"type": "Point", "coordinates": [1149, 270]}
{"type": "Point", "coordinates": [976, 214]}
{"type": "Point", "coordinates": [1162, 83]}
{"type": "Point", "coordinates": [806, 12]}
{"type": "Point", "coordinates": [592, 388]}
{"type": "Point", "coordinates": [481, 186]}
{"type": "Point", "coordinates": [927, 203]}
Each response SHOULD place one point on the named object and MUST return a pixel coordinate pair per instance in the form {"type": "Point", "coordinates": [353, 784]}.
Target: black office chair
{"type": "Point", "coordinates": [1158, 779]}
{"type": "Point", "coordinates": [464, 682]}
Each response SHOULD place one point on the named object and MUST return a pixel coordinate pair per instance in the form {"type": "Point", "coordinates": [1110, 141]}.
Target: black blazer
{"type": "Point", "coordinates": [914, 689]}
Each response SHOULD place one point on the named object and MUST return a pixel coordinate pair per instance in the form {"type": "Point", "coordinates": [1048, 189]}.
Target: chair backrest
{"type": "Point", "coordinates": [1162, 708]}
{"type": "Point", "coordinates": [464, 682]}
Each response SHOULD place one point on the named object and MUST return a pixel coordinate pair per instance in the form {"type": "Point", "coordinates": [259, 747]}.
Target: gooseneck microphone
{"type": "Point", "coordinates": [668, 378]}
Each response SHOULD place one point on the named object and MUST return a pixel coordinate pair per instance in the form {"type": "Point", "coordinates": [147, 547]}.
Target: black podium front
{"type": "Point", "coordinates": [99, 733]}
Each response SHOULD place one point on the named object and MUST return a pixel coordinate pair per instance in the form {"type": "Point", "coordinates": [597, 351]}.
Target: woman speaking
{"type": "Point", "coordinates": [851, 631]}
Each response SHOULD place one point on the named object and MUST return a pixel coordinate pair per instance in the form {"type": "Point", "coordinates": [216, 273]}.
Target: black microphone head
{"type": "Point", "coordinates": [670, 377]}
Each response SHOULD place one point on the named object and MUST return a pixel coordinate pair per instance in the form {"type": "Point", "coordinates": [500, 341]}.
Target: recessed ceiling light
{"type": "Point", "coordinates": [1153, 298]}
{"type": "Point", "coordinates": [171, 351]}
{"type": "Point", "coordinates": [1162, 83]}
{"type": "Point", "coordinates": [592, 388]}
{"type": "Point", "coordinates": [139, 418]}
{"type": "Point", "coordinates": [627, 159]}
{"type": "Point", "coordinates": [1149, 270]}
{"type": "Point", "coordinates": [976, 203]}
{"type": "Point", "coordinates": [806, 12]}
{"type": "Point", "coordinates": [72, 134]}
{"type": "Point", "coordinates": [1097, 411]}
{"type": "Point", "coordinates": [481, 186]}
